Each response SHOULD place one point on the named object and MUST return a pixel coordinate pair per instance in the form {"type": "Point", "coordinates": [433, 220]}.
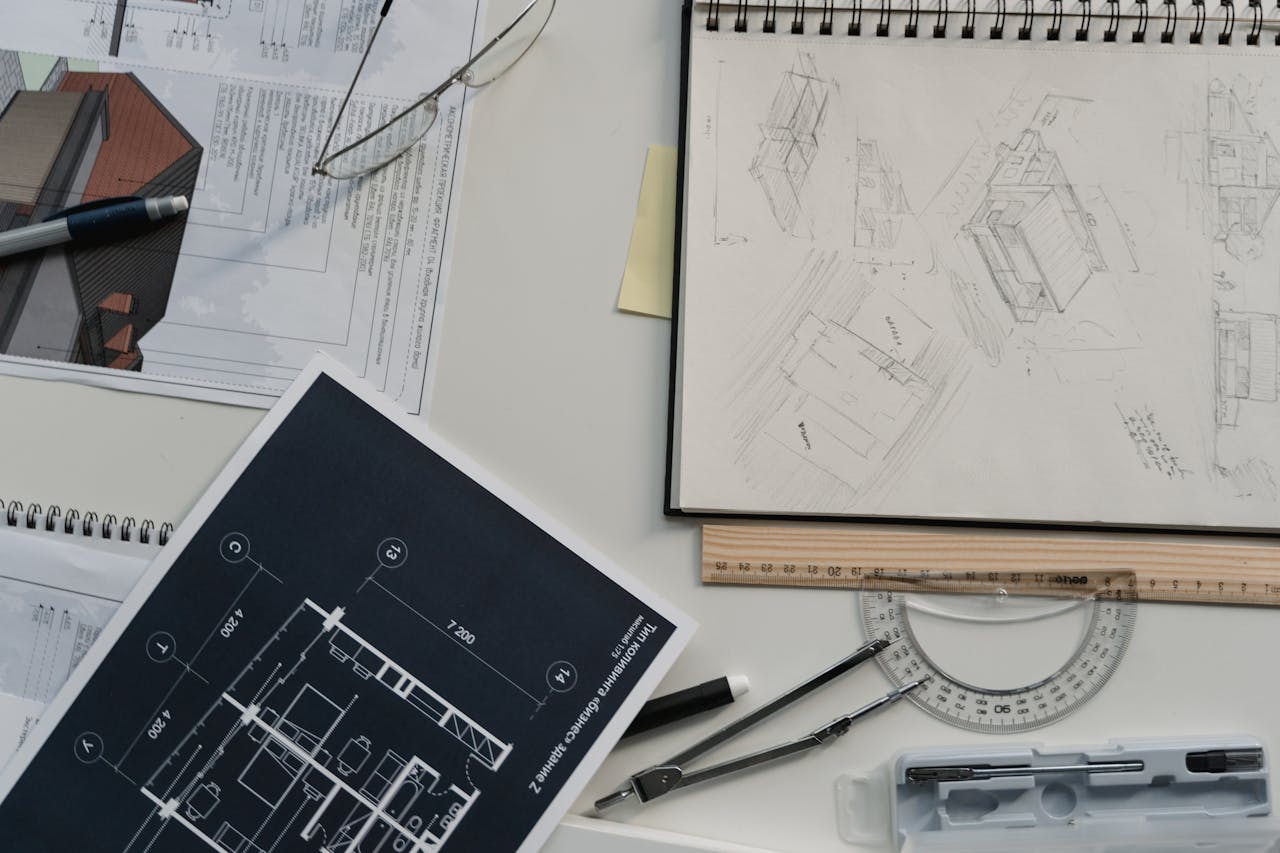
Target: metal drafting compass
{"type": "Point", "coordinates": [674, 773]}
{"type": "Point", "coordinates": [1051, 681]}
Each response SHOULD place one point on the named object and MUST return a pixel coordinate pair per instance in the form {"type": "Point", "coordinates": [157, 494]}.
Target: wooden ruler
{"type": "Point", "coordinates": [845, 557]}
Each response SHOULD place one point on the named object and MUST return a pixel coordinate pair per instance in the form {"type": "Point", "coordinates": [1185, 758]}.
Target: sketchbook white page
{"type": "Point", "coordinates": [981, 280]}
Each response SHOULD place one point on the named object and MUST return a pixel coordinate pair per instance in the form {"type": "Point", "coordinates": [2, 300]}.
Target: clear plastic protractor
{"type": "Point", "coordinates": [997, 663]}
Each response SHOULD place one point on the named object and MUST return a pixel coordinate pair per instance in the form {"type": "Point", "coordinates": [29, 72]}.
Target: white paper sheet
{"type": "Point", "coordinates": [978, 280]}
{"type": "Point", "coordinates": [56, 596]}
{"type": "Point", "coordinates": [275, 262]}
{"type": "Point", "coordinates": [298, 41]}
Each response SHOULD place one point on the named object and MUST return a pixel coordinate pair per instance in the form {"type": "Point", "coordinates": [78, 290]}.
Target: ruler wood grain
{"type": "Point", "coordinates": [844, 557]}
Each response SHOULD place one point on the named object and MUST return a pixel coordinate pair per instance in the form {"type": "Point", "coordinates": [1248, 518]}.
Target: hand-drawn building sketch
{"type": "Point", "coordinates": [881, 202]}
{"type": "Point", "coordinates": [1247, 361]}
{"type": "Point", "coordinates": [1236, 167]}
{"type": "Point", "coordinates": [850, 392]}
{"type": "Point", "coordinates": [789, 142]}
{"type": "Point", "coordinates": [1242, 165]}
{"type": "Point", "coordinates": [292, 749]}
{"type": "Point", "coordinates": [854, 399]}
{"type": "Point", "coordinates": [1032, 232]}
{"type": "Point", "coordinates": [83, 137]}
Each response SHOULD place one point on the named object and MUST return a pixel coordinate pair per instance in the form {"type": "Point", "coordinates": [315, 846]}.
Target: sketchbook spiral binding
{"type": "Point", "coordinates": [73, 523]}
{"type": "Point", "coordinates": [832, 17]}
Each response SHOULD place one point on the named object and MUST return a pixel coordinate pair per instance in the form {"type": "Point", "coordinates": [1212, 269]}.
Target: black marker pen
{"type": "Point", "coordinates": [662, 710]}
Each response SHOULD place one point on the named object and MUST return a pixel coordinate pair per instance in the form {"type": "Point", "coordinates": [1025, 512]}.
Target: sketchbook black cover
{"type": "Point", "coordinates": [1130, 386]}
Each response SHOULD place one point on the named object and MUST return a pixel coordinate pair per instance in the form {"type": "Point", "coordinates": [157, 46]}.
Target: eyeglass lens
{"type": "Point", "coordinates": [401, 133]}
{"type": "Point", "coordinates": [511, 45]}
{"type": "Point", "coordinates": [383, 146]}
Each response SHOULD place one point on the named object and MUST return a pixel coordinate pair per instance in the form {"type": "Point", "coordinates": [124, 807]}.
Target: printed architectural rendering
{"type": "Point", "coordinates": [78, 138]}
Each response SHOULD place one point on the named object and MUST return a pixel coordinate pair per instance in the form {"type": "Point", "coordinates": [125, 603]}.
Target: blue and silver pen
{"type": "Point", "coordinates": [108, 219]}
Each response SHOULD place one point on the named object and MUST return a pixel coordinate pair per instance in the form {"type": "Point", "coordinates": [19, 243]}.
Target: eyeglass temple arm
{"type": "Point", "coordinates": [382, 16]}
{"type": "Point", "coordinates": [455, 77]}
{"type": "Point", "coordinates": [435, 93]}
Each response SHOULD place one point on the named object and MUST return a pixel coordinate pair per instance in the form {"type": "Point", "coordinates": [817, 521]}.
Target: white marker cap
{"type": "Point", "coordinates": [165, 206]}
{"type": "Point", "coordinates": [738, 684]}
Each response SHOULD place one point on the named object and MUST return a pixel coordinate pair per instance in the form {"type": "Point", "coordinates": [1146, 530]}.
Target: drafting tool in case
{"type": "Point", "coordinates": [1165, 794]}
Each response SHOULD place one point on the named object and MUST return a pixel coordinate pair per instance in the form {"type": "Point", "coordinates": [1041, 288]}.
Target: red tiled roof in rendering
{"type": "Point", "coordinates": [142, 141]}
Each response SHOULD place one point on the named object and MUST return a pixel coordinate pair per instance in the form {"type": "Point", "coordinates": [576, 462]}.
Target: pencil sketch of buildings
{"type": "Point", "coordinates": [1247, 385]}
{"type": "Point", "coordinates": [880, 200]}
{"type": "Point", "coordinates": [1032, 232]}
{"type": "Point", "coordinates": [1233, 169]}
{"type": "Point", "coordinates": [848, 389]}
{"type": "Point", "coordinates": [789, 142]}
{"type": "Point", "coordinates": [1246, 361]}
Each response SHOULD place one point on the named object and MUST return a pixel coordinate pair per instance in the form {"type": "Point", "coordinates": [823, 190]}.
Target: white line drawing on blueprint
{"type": "Point", "coordinates": [1033, 234]}
{"type": "Point", "coordinates": [392, 553]}
{"type": "Point", "coordinates": [291, 748]}
{"type": "Point", "coordinates": [790, 142]}
{"type": "Point", "coordinates": [879, 199]}
{"type": "Point", "coordinates": [844, 391]}
{"type": "Point", "coordinates": [1231, 169]}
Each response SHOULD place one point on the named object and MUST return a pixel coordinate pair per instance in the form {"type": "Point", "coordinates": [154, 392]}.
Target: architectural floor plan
{"type": "Point", "coordinates": [383, 685]}
{"type": "Point", "coordinates": [278, 755]}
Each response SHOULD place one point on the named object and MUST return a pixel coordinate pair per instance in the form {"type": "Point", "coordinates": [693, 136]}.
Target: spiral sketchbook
{"type": "Point", "coordinates": [1007, 262]}
{"type": "Point", "coordinates": [358, 639]}
{"type": "Point", "coordinates": [63, 574]}
{"type": "Point", "coordinates": [57, 593]}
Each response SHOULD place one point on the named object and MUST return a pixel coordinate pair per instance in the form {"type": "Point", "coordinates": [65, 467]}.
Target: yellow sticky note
{"type": "Point", "coordinates": [646, 282]}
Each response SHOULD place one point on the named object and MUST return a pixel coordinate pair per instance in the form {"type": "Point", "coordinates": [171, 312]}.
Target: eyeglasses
{"type": "Point", "coordinates": [387, 142]}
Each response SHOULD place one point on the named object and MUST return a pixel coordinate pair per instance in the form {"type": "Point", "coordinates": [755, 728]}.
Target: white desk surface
{"type": "Point", "coordinates": [545, 383]}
